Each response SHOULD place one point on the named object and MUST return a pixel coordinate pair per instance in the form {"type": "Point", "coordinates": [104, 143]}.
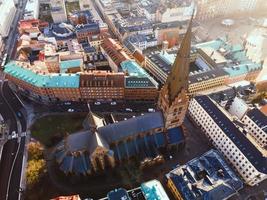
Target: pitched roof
{"type": "Point", "coordinates": [118, 131]}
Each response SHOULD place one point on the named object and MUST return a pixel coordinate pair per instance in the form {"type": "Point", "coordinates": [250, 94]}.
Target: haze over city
{"type": "Point", "coordinates": [133, 99]}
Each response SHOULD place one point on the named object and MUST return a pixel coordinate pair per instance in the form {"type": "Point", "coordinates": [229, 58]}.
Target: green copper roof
{"type": "Point", "coordinates": [137, 77]}
{"type": "Point", "coordinates": [65, 65]}
{"type": "Point", "coordinates": [133, 69]}
{"type": "Point", "coordinates": [242, 69]}
{"type": "Point", "coordinates": [168, 58]}
{"type": "Point", "coordinates": [40, 80]}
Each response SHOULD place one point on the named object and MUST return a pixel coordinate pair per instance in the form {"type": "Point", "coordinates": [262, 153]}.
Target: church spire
{"type": "Point", "coordinates": [178, 77]}
{"type": "Point", "coordinates": [173, 97]}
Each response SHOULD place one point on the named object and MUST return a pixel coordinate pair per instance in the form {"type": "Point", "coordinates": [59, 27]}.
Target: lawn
{"type": "Point", "coordinates": [50, 130]}
{"type": "Point", "coordinates": [72, 6]}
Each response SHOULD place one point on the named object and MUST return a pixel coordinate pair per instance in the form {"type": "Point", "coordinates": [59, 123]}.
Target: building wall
{"type": "Point", "coordinates": [194, 88]}
{"type": "Point", "coordinates": [255, 131]}
{"type": "Point", "coordinates": [220, 140]}
{"type": "Point", "coordinates": [67, 94]}
{"type": "Point", "coordinates": [141, 94]}
{"type": "Point", "coordinates": [58, 11]}
{"type": "Point", "coordinates": [174, 112]}
{"type": "Point", "coordinates": [102, 86]}
{"type": "Point", "coordinates": [174, 190]}
{"type": "Point", "coordinates": [7, 14]}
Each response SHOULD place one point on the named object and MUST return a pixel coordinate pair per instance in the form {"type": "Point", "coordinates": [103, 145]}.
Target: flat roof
{"type": "Point", "coordinates": [153, 190]}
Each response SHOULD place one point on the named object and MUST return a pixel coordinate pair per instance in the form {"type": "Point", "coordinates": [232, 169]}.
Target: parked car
{"type": "Point", "coordinates": [70, 110]}
{"type": "Point", "coordinates": [151, 110]}
{"type": "Point", "coordinates": [97, 103]}
{"type": "Point", "coordinates": [129, 110]}
{"type": "Point", "coordinates": [113, 103]}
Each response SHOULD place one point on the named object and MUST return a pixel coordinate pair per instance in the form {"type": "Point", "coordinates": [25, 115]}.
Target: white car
{"type": "Point", "coordinates": [13, 135]}
{"type": "Point", "coordinates": [97, 103]}
{"type": "Point", "coordinates": [67, 103]}
{"type": "Point", "coordinates": [113, 103]}
{"type": "Point", "coordinates": [151, 110]}
{"type": "Point", "coordinates": [70, 110]}
{"type": "Point", "coordinates": [129, 110]}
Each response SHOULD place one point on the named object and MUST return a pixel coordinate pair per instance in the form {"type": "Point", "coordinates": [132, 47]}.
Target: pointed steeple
{"type": "Point", "coordinates": [178, 77]}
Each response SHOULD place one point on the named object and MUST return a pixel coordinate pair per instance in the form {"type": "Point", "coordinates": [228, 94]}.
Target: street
{"type": "Point", "coordinates": [13, 149]}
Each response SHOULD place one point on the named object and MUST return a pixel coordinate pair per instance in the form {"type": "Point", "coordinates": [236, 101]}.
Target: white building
{"type": "Point", "coordinates": [238, 108]}
{"type": "Point", "coordinates": [182, 12]}
{"type": "Point", "coordinates": [256, 43]}
{"type": "Point", "coordinates": [32, 9]}
{"type": "Point", "coordinates": [231, 141]}
{"type": "Point", "coordinates": [58, 11]}
{"type": "Point", "coordinates": [7, 14]}
{"type": "Point", "coordinates": [256, 124]}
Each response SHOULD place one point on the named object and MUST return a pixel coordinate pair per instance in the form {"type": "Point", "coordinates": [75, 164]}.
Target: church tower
{"type": "Point", "coordinates": [173, 97]}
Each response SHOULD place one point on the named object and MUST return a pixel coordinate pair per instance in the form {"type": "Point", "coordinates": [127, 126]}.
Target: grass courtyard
{"type": "Point", "coordinates": [72, 6]}
{"type": "Point", "coordinates": [50, 130]}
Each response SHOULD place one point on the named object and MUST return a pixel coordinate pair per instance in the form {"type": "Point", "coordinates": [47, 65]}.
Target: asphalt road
{"type": "Point", "coordinates": [13, 149]}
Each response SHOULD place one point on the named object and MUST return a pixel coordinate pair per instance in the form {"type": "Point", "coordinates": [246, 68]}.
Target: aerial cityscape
{"type": "Point", "coordinates": [133, 99]}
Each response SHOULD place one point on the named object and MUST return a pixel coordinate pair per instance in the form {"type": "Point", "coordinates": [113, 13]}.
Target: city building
{"type": "Point", "coordinates": [32, 10]}
{"type": "Point", "coordinates": [102, 146]}
{"type": "Point", "coordinates": [118, 194]}
{"type": "Point", "coordinates": [248, 159]}
{"type": "Point", "coordinates": [256, 124]}
{"type": "Point", "coordinates": [209, 9]}
{"type": "Point", "coordinates": [204, 177]}
{"type": "Point", "coordinates": [7, 14]}
{"type": "Point", "coordinates": [255, 45]}
{"type": "Point", "coordinates": [83, 31]}
{"type": "Point", "coordinates": [58, 11]}
{"type": "Point", "coordinates": [154, 190]}
{"type": "Point", "coordinates": [139, 85]}
{"type": "Point", "coordinates": [27, 26]}
{"type": "Point", "coordinates": [115, 53]}
{"type": "Point", "coordinates": [73, 197]}
{"type": "Point", "coordinates": [166, 11]}
{"type": "Point", "coordinates": [102, 86]}
{"type": "Point", "coordinates": [212, 64]}
{"type": "Point", "coordinates": [150, 190]}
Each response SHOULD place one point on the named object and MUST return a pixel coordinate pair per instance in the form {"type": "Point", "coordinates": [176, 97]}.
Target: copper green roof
{"type": "Point", "coordinates": [42, 80]}
{"type": "Point", "coordinates": [65, 65]}
{"type": "Point", "coordinates": [137, 76]}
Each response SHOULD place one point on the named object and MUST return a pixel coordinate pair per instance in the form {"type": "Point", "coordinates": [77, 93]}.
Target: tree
{"type": "Point", "coordinates": [35, 171]}
{"type": "Point", "coordinates": [35, 151]}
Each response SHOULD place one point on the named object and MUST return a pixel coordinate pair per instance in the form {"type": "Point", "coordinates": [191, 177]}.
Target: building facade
{"type": "Point", "coordinates": [256, 124]}
{"type": "Point", "coordinates": [7, 14]}
{"type": "Point", "coordinates": [205, 177]}
{"type": "Point", "coordinates": [230, 140]}
{"type": "Point", "coordinates": [58, 11]}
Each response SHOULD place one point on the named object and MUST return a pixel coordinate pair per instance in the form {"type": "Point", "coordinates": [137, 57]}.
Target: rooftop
{"type": "Point", "coordinates": [40, 79]}
{"type": "Point", "coordinates": [118, 194]}
{"type": "Point", "coordinates": [136, 75]}
{"type": "Point", "coordinates": [153, 190]}
{"type": "Point", "coordinates": [67, 64]}
{"type": "Point", "coordinates": [238, 138]}
{"type": "Point", "coordinates": [207, 177]}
